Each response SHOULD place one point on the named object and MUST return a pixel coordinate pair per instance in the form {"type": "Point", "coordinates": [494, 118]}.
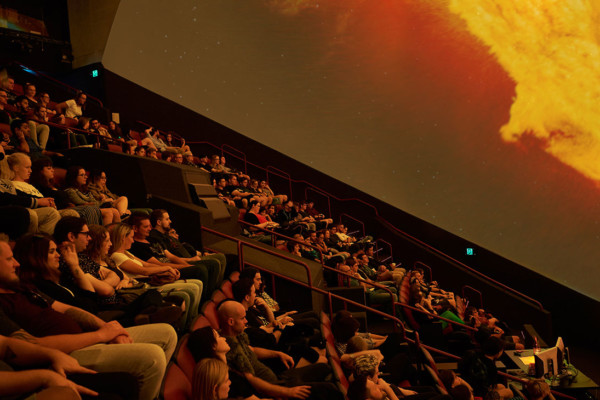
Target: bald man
{"type": "Point", "coordinates": [244, 359]}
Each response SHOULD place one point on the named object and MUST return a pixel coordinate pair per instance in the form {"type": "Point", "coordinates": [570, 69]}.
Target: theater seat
{"type": "Point", "coordinates": [176, 385]}
{"type": "Point", "coordinates": [184, 358]}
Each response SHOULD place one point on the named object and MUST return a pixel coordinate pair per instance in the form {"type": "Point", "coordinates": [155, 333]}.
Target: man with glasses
{"type": "Point", "coordinates": [142, 351]}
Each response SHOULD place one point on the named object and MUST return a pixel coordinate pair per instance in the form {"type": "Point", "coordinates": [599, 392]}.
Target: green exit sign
{"type": "Point", "coordinates": [470, 251]}
{"type": "Point", "coordinates": [95, 73]}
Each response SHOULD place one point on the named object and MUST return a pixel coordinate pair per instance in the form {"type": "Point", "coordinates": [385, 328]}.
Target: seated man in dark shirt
{"type": "Point", "coordinates": [32, 317]}
{"type": "Point", "coordinates": [154, 253]}
{"type": "Point", "coordinates": [163, 233]}
{"type": "Point", "coordinates": [479, 369]}
{"type": "Point", "coordinates": [306, 382]}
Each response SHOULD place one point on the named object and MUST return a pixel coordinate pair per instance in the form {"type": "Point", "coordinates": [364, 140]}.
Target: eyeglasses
{"type": "Point", "coordinates": [86, 233]}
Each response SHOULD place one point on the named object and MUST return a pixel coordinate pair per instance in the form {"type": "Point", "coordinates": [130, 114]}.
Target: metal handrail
{"type": "Point", "coordinates": [474, 290]}
{"type": "Point", "coordinates": [230, 153]}
{"type": "Point", "coordinates": [241, 244]}
{"type": "Point", "coordinates": [397, 322]}
{"type": "Point", "coordinates": [281, 235]}
{"type": "Point", "coordinates": [362, 224]}
{"type": "Point", "coordinates": [322, 194]}
{"type": "Point", "coordinates": [422, 264]}
{"type": "Point", "coordinates": [388, 244]}
{"type": "Point", "coordinates": [281, 174]}
{"type": "Point", "coordinates": [394, 228]}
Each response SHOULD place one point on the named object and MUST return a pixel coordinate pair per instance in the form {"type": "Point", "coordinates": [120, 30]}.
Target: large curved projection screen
{"type": "Point", "coordinates": [480, 120]}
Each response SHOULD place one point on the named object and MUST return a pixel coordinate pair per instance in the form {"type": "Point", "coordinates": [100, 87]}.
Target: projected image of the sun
{"type": "Point", "coordinates": [551, 49]}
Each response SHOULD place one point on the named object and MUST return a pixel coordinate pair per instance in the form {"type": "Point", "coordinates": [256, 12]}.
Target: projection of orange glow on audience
{"type": "Point", "coordinates": [551, 50]}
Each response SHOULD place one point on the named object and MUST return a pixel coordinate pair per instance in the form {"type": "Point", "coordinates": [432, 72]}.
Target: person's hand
{"type": "Point", "coordinates": [46, 202]}
{"type": "Point", "coordinates": [64, 364]}
{"type": "Point", "coordinates": [405, 392]}
{"type": "Point", "coordinates": [286, 360]}
{"type": "Point", "coordinates": [111, 330]}
{"type": "Point", "coordinates": [51, 379]}
{"type": "Point", "coordinates": [122, 339]}
{"type": "Point", "coordinates": [69, 255]}
{"type": "Point", "coordinates": [298, 392]}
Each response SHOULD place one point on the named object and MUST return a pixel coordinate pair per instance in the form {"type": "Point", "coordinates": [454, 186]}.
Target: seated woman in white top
{"type": "Point", "coordinates": [73, 108]}
{"type": "Point", "coordinates": [121, 236]}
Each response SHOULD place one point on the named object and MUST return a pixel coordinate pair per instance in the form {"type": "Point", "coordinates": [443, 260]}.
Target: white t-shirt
{"type": "Point", "coordinates": [73, 110]}
{"type": "Point", "coordinates": [27, 188]}
{"type": "Point", "coordinates": [120, 258]}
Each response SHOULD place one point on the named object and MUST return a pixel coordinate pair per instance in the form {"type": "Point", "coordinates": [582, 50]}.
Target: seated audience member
{"type": "Point", "coordinates": [52, 115]}
{"type": "Point", "coordinates": [223, 192]}
{"type": "Point", "coordinates": [152, 140]}
{"type": "Point", "coordinates": [64, 379]}
{"type": "Point", "coordinates": [319, 220]}
{"type": "Point", "coordinates": [21, 141]}
{"type": "Point", "coordinates": [8, 85]}
{"type": "Point", "coordinates": [114, 130]}
{"type": "Point", "coordinates": [76, 191]}
{"type": "Point", "coordinates": [304, 219]}
{"type": "Point", "coordinates": [287, 219]}
{"type": "Point", "coordinates": [367, 384]}
{"type": "Point", "coordinates": [38, 131]}
{"type": "Point", "coordinates": [216, 167]}
{"type": "Point", "coordinates": [20, 165]}
{"type": "Point", "coordinates": [170, 142]}
{"type": "Point", "coordinates": [479, 369]}
{"type": "Point", "coordinates": [164, 277]}
{"type": "Point", "coordinates": [43, 215]}
{"type": "Point", "coordinates": [23, 111]}
{"type": "Point", "coordinates": [154, 253]}
{"type": "Point", "coordinates": [177, 159]}
{"type": "Point", "coordinates": [451, 381]}
{"type": "Point", "coordinates": [253, 217]}
{"type": "Point", "coordinates": [375, 295]}
{"type": "Point", "coordinates": [230, 170]}
{"type": "Point", "coordinates": [211, 380]}
{"type": "Point", "coordinates": [140, 151]}
{"type": "Point", "coordinates": [272, 307]}
{"type": "Point", "coordinates": [41, 269]}
{"type": "Point", "coordinates": [73, 108]}
{"type": "Point", "coordinates": [344, 327]}
{"type": "Point", "coordinates": [30, 92]}
{"type": "Point", "coordinates": [97, 188]}
{"type": "Point", "coordinates": [189, 159]}
{"type": "Point", "coordinates": [204, 162]}
{"type": "Point", "coordinates": [163, 233]}
{"type": "Point", "coordinates": [42, 178]}
{"type": "Point", "coordinates": [244, 359]}
{"type": "Point", "coordinates": [151, 153]}
{"type": "Point", "coordinates": [276, 335]}
{"type": "Point", "coordinates": [206, 343]}
{"type": "Point", "coordinates": [32, 317]}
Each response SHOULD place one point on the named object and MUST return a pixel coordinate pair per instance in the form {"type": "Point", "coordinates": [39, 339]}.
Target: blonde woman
{"type": "Point", "coordinates": [121, 236]}
{"type": "Point", "coordinates": [211, 380]}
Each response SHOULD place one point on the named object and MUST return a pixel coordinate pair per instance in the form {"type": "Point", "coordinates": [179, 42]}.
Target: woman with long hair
{"type": "Point", "coordinates": [206, 344]}
{"type": "Point", "coordinates": [211, 380]}
{"type": "Point", "coordinates": [42, 178]}
{"type": "Point", "coordinates": [97, 188]}
{"type": "Point", "coordinates": [142, 305]}
{"type": "Point", "coordinates": [121, 236]}
{"type": "Point", "coordinates": [77, 192]}
{"type": "Point", "coordinates": [40, 260]}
